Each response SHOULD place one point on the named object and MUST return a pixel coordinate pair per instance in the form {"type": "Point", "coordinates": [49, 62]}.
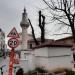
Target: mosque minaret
{"type": "Point", "coordinates": [24, 25]}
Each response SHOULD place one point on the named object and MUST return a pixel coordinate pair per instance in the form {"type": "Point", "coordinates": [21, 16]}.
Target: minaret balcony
{"type": "Point", "coordinates": [24, 25]}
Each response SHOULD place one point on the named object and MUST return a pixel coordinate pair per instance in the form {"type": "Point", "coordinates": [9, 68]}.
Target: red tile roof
{"type": "Point", "coordinates": [56, 43]}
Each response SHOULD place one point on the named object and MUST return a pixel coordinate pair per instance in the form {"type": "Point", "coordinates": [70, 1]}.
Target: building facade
{"type": "Point", "coordinates": [51, 54]}
{"type": "Point", "coordinates": [2, 42]}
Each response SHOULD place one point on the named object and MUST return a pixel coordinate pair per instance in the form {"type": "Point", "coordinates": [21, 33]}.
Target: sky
{"type": "Point", "coordinates": [11, 14]}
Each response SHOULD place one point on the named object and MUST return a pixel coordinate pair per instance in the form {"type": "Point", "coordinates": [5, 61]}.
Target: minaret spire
{"type": "Point", "coordinates": [24, 10]}
{"type": "Point", "coordinates": [24, 21]}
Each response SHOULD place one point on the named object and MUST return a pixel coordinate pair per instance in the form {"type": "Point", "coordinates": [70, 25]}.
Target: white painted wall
{"type": "Point", "coordinates": [58, 51]}
{"type": "Point", "coordinates": [41, 52]}
{"type": "Point", "coordinates": [56, 62]}
{"type": "Point", "coordinates": [49, 58]}
{"type": "Point", "coordinates": [53, 57]}
{"type": "Point", "coordinates": [27, 61]}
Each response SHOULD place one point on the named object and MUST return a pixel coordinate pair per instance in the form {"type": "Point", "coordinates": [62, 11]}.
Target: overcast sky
{"type": "Point", "coordinates": [11, 13]}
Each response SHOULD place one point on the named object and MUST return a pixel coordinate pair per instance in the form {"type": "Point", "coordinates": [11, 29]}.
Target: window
{"type": "Point", "coordinates": [30, 45]}
{"type": "Point", "coordinates": [26, 56]}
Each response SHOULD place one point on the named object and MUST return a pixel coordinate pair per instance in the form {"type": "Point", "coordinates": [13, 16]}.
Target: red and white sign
{"type": "Point", "coordinates": [11, 60]}
{"type": "Point", "coordinates": [13, 33]}
{"type": "Point", "coordinates": [13, 42]}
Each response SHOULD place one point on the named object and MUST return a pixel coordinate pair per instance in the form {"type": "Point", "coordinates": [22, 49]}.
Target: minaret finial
{"type": "Point", "coordinates": [24, 22]}
{"type": "Point", "coordinates": [24, 10]}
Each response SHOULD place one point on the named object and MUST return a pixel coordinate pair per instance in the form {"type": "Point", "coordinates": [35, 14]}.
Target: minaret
{"type": "Point", "coordinates": [24, 25]}
{"type": "Point", "coordinates": [26, 54]}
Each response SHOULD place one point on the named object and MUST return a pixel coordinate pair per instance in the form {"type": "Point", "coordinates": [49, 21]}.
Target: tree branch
{"type": "Point", "coordinates": [62, 33]}
{"type": "Point", "coordinates": [33, 34]}
{"type": "Point", "coordinates": [61, 21]}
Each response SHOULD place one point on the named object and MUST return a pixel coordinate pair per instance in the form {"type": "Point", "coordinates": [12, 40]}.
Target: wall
{"type": "Point", "coordinates": [48, 57]}
{"type": "Point", "coordinates": [27, 61]}
{"type": "Point", "coordinates": [53, 57]}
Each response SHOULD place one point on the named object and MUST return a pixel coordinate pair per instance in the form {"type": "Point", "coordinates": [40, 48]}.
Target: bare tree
{"type": "Point", "coordinates": [33, 34]}
{"type": "Point", "coordinates": [64, 12]}
{"type": "Point", "coordinates": [42, 26]}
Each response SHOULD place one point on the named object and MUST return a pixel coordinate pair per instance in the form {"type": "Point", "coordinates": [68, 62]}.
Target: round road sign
{"type": "Point", "coordinates": [13, 42]}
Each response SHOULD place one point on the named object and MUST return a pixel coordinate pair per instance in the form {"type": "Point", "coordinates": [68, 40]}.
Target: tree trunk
{"type": "Point", "coordinates": [42, 27]}
{"type": "Point", "coordinates": [33, 34]}
{"type": "Point", "coordinates": [43, 30]}
{"type": "Point", "coordinates": [73, 31]}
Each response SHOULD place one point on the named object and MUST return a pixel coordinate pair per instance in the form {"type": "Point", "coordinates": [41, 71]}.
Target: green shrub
{"type": "Point", "coordinates": [31, 73]}
{"type": "Point", "coordinates": [40, 70]}
{"type": "Point", "coordinates": [70, 73]}
{"type": "Point", "coordinates": [34, 72]}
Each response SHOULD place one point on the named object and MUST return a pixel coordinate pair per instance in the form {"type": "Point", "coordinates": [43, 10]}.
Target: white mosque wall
{"type": "Point", "coordinates": [52, 57]}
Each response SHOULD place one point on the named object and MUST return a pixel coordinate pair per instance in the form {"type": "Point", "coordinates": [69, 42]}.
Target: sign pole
{"type": "Point", "coordinates": [11, 61]}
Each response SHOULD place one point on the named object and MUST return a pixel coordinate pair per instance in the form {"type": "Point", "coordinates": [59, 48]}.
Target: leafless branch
{"type": "Point", "coordinates": [61, 21]}
{"type": "Point", "coordinates": [33, 34]}
{"type": "Point", "coordinates": [68, 8]}
{"type": "Point", "coordinates": [62, 33]}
